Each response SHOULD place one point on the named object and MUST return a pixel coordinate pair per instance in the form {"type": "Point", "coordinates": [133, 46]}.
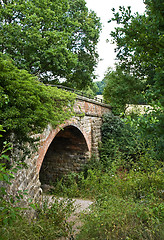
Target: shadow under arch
{"type": "Point", "coordinates": [68, 151]}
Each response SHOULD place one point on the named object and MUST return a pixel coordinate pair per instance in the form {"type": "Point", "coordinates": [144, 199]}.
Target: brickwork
{"type": "Point", "coordinates": [61, 151]}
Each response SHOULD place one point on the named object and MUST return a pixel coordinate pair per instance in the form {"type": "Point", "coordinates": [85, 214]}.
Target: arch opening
{"type": "Point", "coordinates": [67, 152]}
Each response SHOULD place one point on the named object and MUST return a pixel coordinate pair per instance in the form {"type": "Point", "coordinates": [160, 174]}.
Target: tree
{"type": "Point", "coordinates": [91, 91]}
{"type": "Point", "coordinates": [140, 55]}
{"type": "Point", "coordinates": [28, 106]}
{"type": "Point", "coordinates": [121, 89]}
{"type": "Point", "coordinates": [51, 39]}
{"type": "Point", "coordinates": [100, 85]}
{"type": "Point", "coordinates": [85, 35]}
{"type": "Point", "coordinates": [140, 47]}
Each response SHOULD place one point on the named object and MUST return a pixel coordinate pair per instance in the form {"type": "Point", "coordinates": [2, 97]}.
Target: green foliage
{"type": "Point", "coordinates": [9, 210]}
{"type": "Point", "coordinates": [91, 91]}
{"type": "Point", "coordinates": [100, 85]}
{"type": "Point", "coordinates": [51, 222]}
{"type": "Point", "coordinates": [136, 51]}
{"type": "Point", "coordinates": [1, 130]}
{"type": "Point", "coordinates": [68, 185]}
{"type": "Point", "coordinates": [127, 204]}
{"type": "Point", "coordinates": [115, 218]}
{"type": "Point", "coordinates": [51, 39]}
{"type": "Point", "coordinates": [145, 180]}
{"type": "Point", "coordinates": [78, 185]}
{"type": "Point", "coordinates": [30, 105]}
{"type": "Point", "coordinates": [120, 142]}
{"type": "Point", "coordinates": [126, 140]}
{"type": "Point", "coordinates": [149, 128]}
{"type": "Point", "coordinates": [121, 89]}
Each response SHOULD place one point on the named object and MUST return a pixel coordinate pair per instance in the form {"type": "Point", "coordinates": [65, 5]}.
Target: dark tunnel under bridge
{"type": "Point", "coordinates": [67, 152]}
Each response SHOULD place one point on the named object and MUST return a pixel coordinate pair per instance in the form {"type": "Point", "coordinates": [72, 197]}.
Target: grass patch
{"type": "Point", "coordinates": [50, 222]}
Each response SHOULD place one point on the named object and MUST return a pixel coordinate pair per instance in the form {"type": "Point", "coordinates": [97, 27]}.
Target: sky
{"type": "Point", "coordinates": [103, 10]}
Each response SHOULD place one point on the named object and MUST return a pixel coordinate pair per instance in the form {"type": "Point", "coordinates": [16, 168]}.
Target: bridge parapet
{"type": "Point", "coordinates": [87, 104]}
{"type": "Point", "coordinates": [83, 95]}
{"type": "Point", "coordinates": [90, 107]}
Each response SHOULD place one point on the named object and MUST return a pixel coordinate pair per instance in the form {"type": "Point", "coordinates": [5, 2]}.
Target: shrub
{"type": "Point", "coordinates": [28, 106]}
{"type": "Point", "coordinates": [116, 218]}
{"type": "Point", "coordinates": [9, 210]}
{"type": "Point", "coordinates": [50, 223]}
{"type": "Point", "coordinates": [119, 142]}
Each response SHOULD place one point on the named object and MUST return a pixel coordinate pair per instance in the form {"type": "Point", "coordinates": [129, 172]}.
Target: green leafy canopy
{"type": "Point", "coordinates": [52, 39]}
{"type": "Point", "coordinates": [138, 78]}
{"type": "Point", "coordinates": [121, 88]}
{"type": "Point", "coordinates": [30, 105]}
{"type": "Point", "coordinates": [140, 47]}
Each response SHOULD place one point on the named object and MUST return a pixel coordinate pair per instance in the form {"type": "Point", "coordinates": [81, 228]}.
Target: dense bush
{"type": "Point", "coordinates": [149, 128]}
{"type": "Point", "coordinates": [119, 142]}
{"type": "Point", "coordinates": [126, 184]}
{"type": "Point", "coordinates": [126, 140]}
{"type": "Point", "coordinates": [116, 218]}
{"type": "Point", "coordinates": [28, 106]}
{"type": "Point", "coordinates": [51, 222]}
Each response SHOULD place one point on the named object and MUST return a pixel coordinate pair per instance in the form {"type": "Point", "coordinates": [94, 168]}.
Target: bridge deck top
{"type": "Point", "coordinates": [82, 95]}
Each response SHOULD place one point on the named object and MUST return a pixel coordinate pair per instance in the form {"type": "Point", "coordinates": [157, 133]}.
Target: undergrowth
{"type": "Point", "coordinates": [127, 205]}
{"type": "Point", "coordinates": [126, 185]}
{"type": "Point", "coordinates": [50, 222]}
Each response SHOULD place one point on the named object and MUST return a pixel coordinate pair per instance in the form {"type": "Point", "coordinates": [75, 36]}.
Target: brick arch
{"type": "Point", "coordinates": [45, 145]}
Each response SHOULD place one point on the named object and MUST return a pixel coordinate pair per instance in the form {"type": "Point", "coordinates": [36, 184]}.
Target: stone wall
{"type": "Point", "coordinates": [70, 148]}
{"type": "Point", "coordinates": [89, 124]}
{"type": "Point", "coordinates": [26, 180]}
{"type": "Point", "coordinates": [61, 151]}
{"type": "Point", "coordinates": [90, 107]}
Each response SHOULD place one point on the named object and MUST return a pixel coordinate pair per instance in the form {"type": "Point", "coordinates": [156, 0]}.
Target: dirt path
{"type": "Point", "coordinates": [80, 206]}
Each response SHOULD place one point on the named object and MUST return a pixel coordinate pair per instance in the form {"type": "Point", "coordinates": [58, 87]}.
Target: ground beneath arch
{"type": "Point", "coordinates": [81, 205]}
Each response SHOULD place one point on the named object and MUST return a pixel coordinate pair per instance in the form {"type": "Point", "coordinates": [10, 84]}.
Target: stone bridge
{"type": "Point", "coordinates": [64, 149]}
